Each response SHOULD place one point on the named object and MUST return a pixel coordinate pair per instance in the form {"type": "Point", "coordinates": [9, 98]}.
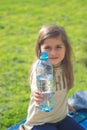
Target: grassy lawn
{"type": "Point", "coordinates": [20, 21]}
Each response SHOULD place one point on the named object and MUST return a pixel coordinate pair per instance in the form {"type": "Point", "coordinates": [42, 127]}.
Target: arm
{"type": "Point", "coordinates": [37, 96]}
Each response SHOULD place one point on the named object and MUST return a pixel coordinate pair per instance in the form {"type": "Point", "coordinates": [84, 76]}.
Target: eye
{"type": "Point", "coordinates": [58, 46]}
{"type": "Point", "coordinates": [47, 47]}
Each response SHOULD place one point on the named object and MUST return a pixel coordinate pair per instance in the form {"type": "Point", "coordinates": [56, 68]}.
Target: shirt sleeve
{"type": "Point", "coordinates": [33, 77]}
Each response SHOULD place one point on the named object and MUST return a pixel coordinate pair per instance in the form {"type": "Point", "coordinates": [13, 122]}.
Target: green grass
{"type": "Point", "coordinates": [20, 21]}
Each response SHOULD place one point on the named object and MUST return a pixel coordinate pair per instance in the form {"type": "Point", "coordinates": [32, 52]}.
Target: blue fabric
{"type": "Point", "coordinates": [80, 116]}
{"type": "Point", "coordinates": [16, 126]}
{"type": "Point", "coordinates": [84, 124]}
{"type": "Point", "coordinates": [67, 124]}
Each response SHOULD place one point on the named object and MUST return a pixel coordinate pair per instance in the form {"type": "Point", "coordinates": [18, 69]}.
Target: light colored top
{"type": "Point", "coordinates": [36, 117]}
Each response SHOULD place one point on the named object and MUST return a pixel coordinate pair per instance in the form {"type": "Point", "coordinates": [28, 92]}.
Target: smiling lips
{"type": "Point", "coordinates": [53, 58]}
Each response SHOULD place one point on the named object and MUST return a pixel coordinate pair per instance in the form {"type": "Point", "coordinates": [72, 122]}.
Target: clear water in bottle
{"type": "Point", "coordinates": [45, 83]}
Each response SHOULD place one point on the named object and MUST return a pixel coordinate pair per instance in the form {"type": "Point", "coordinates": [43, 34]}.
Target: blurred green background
{"type": "Point", "coordinates": [20, 21]}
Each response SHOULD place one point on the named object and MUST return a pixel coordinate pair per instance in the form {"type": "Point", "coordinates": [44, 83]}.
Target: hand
{"type": "Point", "coordinates": [21, 127]}
{"type": "Point", "coordinates": [71, 108]}
{"type": "Point", "coordinates": [38, 97]}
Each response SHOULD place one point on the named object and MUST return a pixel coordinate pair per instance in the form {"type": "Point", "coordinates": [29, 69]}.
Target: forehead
{"type": "Point", "coordinates": [53, 41]}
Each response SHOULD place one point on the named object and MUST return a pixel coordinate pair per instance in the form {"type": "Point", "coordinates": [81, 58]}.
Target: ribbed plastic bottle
{"type": "Point", "coordinates": [45, 82]}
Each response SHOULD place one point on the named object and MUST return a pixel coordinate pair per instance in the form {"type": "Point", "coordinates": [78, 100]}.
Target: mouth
{"type": "Point", "coordinates": [53, 58]}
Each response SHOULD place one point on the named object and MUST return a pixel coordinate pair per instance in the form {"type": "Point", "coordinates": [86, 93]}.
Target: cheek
{"type": "Point", "coordinates": [62, 53]}
{"type": "Point", "coordinates": [42, 49]}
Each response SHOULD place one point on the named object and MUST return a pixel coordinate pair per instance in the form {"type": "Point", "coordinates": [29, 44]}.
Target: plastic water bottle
{"type": "Point", "coordinates": [45, 82]}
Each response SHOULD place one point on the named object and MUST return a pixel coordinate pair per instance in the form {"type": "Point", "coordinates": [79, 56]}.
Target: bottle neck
{"type": "Point", "coordinates": [43, 58]}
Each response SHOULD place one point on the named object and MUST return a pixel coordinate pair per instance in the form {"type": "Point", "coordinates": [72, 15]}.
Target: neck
{"type": "Point", "coordinates": [57, 65]}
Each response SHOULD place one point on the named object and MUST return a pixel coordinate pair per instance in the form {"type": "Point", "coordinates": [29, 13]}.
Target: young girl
{"type": "Point", "coordinates": [52, 39]}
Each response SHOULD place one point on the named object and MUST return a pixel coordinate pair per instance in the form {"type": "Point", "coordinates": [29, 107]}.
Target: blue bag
{"type": "Point", "coordinates": [79, 100]}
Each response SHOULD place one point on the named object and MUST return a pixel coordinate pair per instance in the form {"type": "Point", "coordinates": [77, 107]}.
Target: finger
{"type": "Point", "coordinates": [74, 110]}
{"type": "Point", "coordinates": [37, 94]}
{"type": "Point", "coordinates": [38, 99]}
{"type": "Point", "coordinates": [36, 105]}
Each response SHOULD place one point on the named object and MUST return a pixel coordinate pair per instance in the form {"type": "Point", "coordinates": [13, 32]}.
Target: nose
{"type": "Point", "coordinates": [53, 51]}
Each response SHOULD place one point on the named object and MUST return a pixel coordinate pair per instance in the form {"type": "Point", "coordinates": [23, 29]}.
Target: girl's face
{"type": "Point", "coordinates": [56, 50]}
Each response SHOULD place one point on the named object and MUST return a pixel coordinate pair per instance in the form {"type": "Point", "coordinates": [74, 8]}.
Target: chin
{"type": "Point", "coordinates": [57, 64]}
{"type": "Point", "coordinates": [54, 64]}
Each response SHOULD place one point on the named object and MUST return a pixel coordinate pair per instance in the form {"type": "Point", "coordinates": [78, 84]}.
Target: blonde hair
{"type": "Point", "coordinates": [53, 31]}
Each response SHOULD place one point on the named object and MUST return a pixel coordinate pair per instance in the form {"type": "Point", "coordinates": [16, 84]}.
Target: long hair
{"type": "Point", "coordinates": [53, 31]}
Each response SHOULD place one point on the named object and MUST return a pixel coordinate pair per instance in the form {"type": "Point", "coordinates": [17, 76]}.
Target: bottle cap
{"type": "Point", "coordinates": [44, 55]}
